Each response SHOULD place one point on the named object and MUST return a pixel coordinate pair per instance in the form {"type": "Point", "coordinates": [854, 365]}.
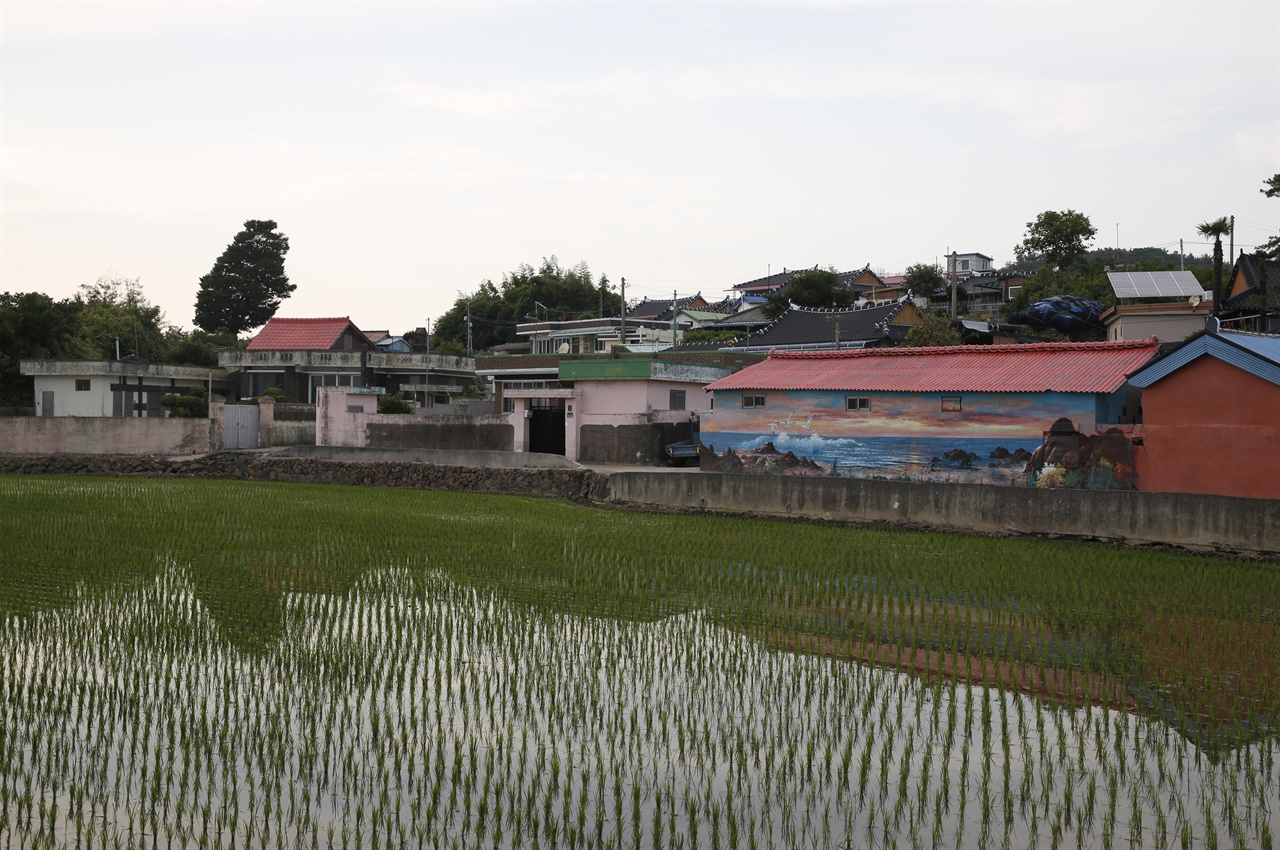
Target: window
{"type": "Point", "coordinates": [854, 403]}
{"type": "Point", "coordinates": [677, 400]}
{"type": "Point", "coordinates": [951, 404]}
{"type": "Point", "coordinates": [749, 401]}
{"type": "Point", "coordinates": [964, 265]}
{"type": "Point", "coordinates": [82, 385]}
{"type": "Point", "coordinates": [508, 405]}
{"type": "Point", "coordinates": [1013, 291]}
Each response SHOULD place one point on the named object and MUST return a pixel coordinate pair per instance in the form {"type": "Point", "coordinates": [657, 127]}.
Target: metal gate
{"type": "Point", "coordinates": [546, 428]}
{"type": "Point", "coordinates": [240, 426]}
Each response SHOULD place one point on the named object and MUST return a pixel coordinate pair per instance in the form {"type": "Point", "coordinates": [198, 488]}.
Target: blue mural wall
{"type": "Point", "coordinates": [919, 435]}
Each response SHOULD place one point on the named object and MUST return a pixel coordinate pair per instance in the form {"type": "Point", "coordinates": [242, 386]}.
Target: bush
{"type": "Point", "coordinates": [188, 406]}
{"type": "Point", "coordinates": [393, 403]}
{"type": "Point", "coordinates": [279, 396]}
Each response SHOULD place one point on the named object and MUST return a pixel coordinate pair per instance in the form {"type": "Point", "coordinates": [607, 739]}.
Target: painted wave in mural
{"type": "Point", "coordinates": [881, 454]}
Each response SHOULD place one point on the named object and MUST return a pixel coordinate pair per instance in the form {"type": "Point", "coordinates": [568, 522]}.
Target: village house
{"type": "Point", "coordinates": [617, 408]}
{"type": "Point", "coordinates": [1252, 282]}
{"type": "Point", "coordinates": [130, 387]}
{"type": "Point", "coordinates": [301, 355]}
{"type": "Point", "coordinates": [895, 409]}
{"type": "Point", "coordinates": [857, 327]}
{"type": "Point", "coordinates": [1211, 417]}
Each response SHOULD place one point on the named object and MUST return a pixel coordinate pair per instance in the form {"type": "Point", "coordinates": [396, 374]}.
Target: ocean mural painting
{"type": "Point", "coordinates": [965, 437]}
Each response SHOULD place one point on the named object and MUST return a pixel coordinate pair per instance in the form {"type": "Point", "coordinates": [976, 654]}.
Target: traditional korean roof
{"type": "Point", "coordinates": [777, 280]}
{"type": "Point", "coordinates": [302, 334]}
{"type": "Point", "coordinates": [659, 309]}
{"type": "Point", "coordinates": [805, 326]}
{"type": "Point", "coordinates": [1078, 367]}
{"type": "Point", "coordinates": [1257, 354]}
{"type": "Point", "coordinates": [1250, 269]}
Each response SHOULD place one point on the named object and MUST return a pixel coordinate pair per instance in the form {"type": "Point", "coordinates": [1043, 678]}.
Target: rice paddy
{"type": "Point", "coordinates": [223, 664]}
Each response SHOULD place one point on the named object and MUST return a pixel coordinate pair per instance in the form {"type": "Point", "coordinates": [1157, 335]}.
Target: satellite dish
{"type": "Point", "coordinates": [564, 348]}
{"type": "Point", "coordinates": [1194, 301]}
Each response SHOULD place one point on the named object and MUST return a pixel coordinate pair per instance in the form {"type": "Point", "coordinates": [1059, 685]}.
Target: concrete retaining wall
{"type": "Point", "coordinates": [507, 460]}
{"type": "Point", "coordinates": [1193, 521]}
{"type": "Point", "coordinates": [35, 435]}
{"type": "Point", "coordinates": [1220, 523]}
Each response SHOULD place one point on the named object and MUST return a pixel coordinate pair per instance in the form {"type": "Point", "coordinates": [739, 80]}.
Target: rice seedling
{"type": "Point", "coordinates": [216, 664]}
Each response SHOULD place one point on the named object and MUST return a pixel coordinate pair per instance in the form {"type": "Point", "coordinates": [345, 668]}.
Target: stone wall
{"type": "Point", "coordinates": [245, 466]}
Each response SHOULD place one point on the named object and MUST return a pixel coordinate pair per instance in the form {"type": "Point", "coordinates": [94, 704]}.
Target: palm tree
{"type": "Point", "coordinates": [1217, 229]}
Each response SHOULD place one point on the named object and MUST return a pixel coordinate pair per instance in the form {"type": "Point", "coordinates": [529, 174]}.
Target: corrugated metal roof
{"type": "Point", "coordinates": [1257, 354]}
{"type": "Point", "coordinates": [1085, 367]}
{"type": "Point", "coordinates": [300, 334]}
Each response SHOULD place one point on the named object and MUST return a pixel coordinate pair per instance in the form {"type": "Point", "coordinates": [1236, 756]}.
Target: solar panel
{"type": "Point", "coordinates": [1154, 284]}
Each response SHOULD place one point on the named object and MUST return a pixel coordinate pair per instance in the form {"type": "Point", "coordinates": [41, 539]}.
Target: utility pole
{"type": "Point", "coordinates": [1182, 266]}
{"type": "Point", "coordinates": [1231, 253]}
{"type": "Point", "coordinates": [469, 352]}
{"type": "Point", "coordinates": [623, 331]}
{"type": "Point", "coordinates": [426, 386]}
{"type": "Point", "coordinates": [673, 317]}
{"type": "Point", "coordinates": [951, 278]}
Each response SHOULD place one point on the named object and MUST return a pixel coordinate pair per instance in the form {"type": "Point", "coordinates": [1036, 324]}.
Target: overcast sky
{"type": "Point", "coordinates": [410, 151]}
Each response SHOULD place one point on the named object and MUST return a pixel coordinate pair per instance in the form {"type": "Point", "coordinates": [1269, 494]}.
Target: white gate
{"type": "Point", "coordinates": [240, 426]}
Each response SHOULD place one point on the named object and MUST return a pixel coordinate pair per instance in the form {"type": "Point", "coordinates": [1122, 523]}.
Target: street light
{"type": "Point", "coordinates": [543, 306]}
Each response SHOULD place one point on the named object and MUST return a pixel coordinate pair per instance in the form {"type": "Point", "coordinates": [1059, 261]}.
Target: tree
{"type": "Point", "coordinates": [549, 292]}
{"type": "Point", "coordinates": [814, 288]}
{"type": "Point", "coordinates": [936, 330]}
{"type": "Point", "coordinates": [115, 308]}
{"type": "Point", "coordinates": [1060, 239]}
{"type": "Point", "coordinates": [1216, 229]}
{"type": "Point", "coordinates": [34, 326]}
{"type": "Point", "coordinates": [923, 279]}
{"type": "Point", "coordinates": [247, 283]}
{"type": "Point", "coordinates": [1271, 248]}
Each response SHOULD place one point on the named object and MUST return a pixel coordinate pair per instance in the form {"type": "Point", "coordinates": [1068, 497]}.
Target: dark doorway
{"type": "Point", "coordinates": [546, 426]}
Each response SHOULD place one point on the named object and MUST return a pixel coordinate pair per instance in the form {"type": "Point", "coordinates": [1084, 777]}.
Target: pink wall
{"type": "Point", "coordinates": [38, 435]}
{"type": "Point", "coordinates": [338, 426]}
{"type": "Point", "coordinates": [619, 403]}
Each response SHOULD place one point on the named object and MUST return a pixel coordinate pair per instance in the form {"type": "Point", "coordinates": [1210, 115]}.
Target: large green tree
{"type": "Point", "coordinates": [115, 308]}
{"type": "Point", "coordinates": [247, 283]}
{"type": "Point", "coordinates": [1058, 239]}
{"type": "Point", "coordinates": [525, 295]}
{"type": "Point", "coordinates": [34, 327]}
{"type": "Point", "coordinates": [817, 288]}
{"type": "Point", "coordinates": [1215, 230]}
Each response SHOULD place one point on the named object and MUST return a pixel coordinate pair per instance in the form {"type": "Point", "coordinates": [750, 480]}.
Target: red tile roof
{"type": "Point", "coordinates": [1072, 367]}
{"type": "Point", "coordinates": [300, 334]}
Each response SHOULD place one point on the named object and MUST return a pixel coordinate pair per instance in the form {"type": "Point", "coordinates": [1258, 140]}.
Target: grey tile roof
{"type": "Point", "coordinates": [1251, 268]}
{"type": "Point", "coordinates": [805, 326]}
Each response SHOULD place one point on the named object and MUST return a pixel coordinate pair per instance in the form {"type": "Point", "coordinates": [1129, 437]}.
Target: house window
{"type": "Point", "coordinates": [82, 385]}
{"type": "Point", "coordinates": [677, 399]}
{"type": "Point", "coordinates": [855, 403]}
{"type": "Point", "coordinates": [951, 404]}
{"type": "Point", "coordinates": [1013, 291]}
{"type": "Point", "coordinates": [964, 265]}
{"type": "Point", "coordinates": [749, 401]}
{"type": "Point", "coordinates": [508, 405]}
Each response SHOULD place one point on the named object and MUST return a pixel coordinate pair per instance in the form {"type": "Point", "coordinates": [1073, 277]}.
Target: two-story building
{"type": "Point", "coordinates": [301, 355]}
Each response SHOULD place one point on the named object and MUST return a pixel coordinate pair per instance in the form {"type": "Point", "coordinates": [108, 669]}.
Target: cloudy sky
{"type": "Point", "coordinates": [410, 151]}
